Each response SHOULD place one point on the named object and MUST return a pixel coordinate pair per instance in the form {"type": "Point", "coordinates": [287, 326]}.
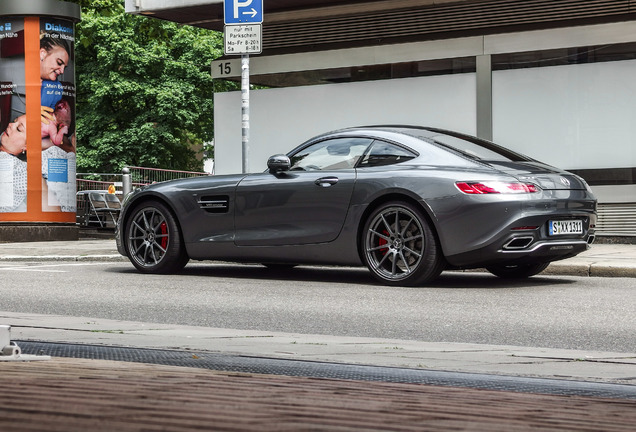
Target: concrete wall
{"type": "Point", "coordinates": [281, 119]}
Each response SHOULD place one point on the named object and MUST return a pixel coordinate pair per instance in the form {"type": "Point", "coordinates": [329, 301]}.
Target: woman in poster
{"type": "Point", "coordinates": [36, 66]}
{"type": "Point", "coordinates": [54, 57]}
{"type": "Point", "coordinates": [58, 150]}
{"type": "Point", "coordinates": [13, 167]}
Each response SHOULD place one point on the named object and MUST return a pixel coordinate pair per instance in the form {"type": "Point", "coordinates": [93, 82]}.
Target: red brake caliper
{"type": "Point", "coordinates": [164, 230]}
{"type": "Point", "coordinates": [382, 242]}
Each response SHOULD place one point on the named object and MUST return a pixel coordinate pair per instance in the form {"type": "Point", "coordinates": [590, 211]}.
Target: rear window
{"type": "Point", "coordinates": [478, 149]}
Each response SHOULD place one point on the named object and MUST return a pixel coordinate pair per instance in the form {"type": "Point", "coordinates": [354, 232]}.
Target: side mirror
{"type": "Point", "coordinates": [278, 163]}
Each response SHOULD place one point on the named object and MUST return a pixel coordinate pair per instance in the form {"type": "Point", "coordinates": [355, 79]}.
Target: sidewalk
{"type": "Point", "coordinates": [592, 366]}
{"type": "Point", "coordinates": [74, 394]}
{"type": "Point", "coordinates": [69, 394]}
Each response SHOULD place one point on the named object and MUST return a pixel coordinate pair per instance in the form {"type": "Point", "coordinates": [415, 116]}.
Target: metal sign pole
{"type": "Point", "coordinates": [242, 35]}
{"type": "Point", "coordinates": [245, 109]}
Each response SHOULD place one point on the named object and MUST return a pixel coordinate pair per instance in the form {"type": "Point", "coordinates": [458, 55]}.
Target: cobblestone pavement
{"type": "Point", "coordinates": [99, 395]}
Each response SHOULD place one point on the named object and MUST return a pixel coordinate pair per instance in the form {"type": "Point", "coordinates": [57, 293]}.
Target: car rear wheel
{"type": "Point", "coordinates": [154, 243]}
{"type": "Point", "coordinates": [399, 247]}
{"type": "Point", "coordinates": [519, 271]}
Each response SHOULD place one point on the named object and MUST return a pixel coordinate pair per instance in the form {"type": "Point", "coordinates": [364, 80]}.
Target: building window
{"type": "Point", "coordinates": [564, 56]}
{"type": "Point", "coordinates": [362, 73]}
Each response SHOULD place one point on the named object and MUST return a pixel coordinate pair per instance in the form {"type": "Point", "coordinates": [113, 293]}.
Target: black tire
{"type": "Point", "coordinates": [399, 247]}
{"type": "Point", "coordinates": [153, 239]}
{"type": "Point", "coordinates": [518, 271]}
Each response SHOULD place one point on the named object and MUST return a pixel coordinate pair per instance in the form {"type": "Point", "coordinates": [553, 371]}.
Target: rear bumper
{"type": "Point", "coordinates": [537, 251]}
{"type": "Point", "coordinates": [511, 230]}
{"type": "Point", "coordinates": [547, 251]}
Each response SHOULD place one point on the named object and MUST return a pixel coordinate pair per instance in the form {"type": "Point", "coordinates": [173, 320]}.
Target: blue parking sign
{"type": "Point", "coordinates": [243, 11]}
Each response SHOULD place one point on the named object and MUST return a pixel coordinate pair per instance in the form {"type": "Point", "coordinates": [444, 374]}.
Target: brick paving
{"type": "Point", "coordinates": [98, 395]}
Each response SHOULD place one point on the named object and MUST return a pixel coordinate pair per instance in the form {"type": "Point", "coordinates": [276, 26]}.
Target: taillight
{"type": "Point", "coordinates": [493, 187]}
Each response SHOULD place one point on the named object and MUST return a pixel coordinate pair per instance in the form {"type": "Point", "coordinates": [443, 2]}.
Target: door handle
{"type": "Point", "coordinates": [326, 181]}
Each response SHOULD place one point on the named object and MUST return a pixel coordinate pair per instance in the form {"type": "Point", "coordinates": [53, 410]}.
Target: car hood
{"type": "Point", "coordinates": [545, 176]}
{"type": "Point", "coordinates": [194, 183]}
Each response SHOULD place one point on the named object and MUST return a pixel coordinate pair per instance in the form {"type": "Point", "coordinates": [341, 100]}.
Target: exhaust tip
{"type": "Point", "coordinates": [519, 243]}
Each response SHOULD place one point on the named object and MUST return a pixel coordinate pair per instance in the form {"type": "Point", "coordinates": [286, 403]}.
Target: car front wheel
{"type": "Point", "coordinates": [153, 239]}
{"type": "Point", "coordinates": [399, 247]}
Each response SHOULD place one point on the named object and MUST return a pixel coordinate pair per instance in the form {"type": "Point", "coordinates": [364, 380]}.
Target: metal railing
{"type": "Point", "coordinates": [89, 184]}
{"type": "Point", "coordinates": [144, 176]}
{"type": "Point", "coordinates": [124, 183]}
{"type": "Point", "coordinates": [138, 176]}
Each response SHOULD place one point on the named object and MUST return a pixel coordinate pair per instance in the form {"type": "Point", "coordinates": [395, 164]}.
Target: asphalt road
{"type": "Point", "coordinates": [544, 311]}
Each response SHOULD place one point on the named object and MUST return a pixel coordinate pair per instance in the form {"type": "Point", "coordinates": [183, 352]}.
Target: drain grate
{"type": "Point", "coordinates": [313, 369]}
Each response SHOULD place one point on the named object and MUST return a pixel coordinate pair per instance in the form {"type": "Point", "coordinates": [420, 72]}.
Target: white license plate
{"type": "Point", "coordinates": [566, 227]}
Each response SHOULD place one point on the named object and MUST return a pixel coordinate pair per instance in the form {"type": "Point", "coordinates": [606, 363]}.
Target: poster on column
{"type": "Point", "coordinates": [13, 165]}
{"type": "Point", "coordinates": [57, 99]}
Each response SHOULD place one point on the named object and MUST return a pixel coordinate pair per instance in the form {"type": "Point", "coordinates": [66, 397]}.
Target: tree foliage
{"type": "Point", "coordinates": [144, 89]}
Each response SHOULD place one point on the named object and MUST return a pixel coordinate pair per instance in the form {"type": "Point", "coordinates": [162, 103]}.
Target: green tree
{"type": "Point", "coordinates": [144, 90]}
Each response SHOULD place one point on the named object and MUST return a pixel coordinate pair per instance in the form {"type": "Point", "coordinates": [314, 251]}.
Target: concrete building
{"type": "Point", "coordinates": [555, 80]}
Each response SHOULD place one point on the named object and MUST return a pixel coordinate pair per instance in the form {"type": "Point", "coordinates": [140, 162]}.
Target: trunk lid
{"type": "Point", "coordinates": [545, 176]}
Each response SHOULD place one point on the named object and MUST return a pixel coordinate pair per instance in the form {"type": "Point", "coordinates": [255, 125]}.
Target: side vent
{"type": "Point", "coordinates": [616, 220]}
{"type": "Point", "coordinates": [214, 204]}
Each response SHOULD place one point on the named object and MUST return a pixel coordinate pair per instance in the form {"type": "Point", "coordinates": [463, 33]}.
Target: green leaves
{"type": "Point", "coordinates": [144, 90]}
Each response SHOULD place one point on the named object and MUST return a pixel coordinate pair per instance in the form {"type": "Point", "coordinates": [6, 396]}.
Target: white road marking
{"type": "Point", "coordinates": [41, 267]}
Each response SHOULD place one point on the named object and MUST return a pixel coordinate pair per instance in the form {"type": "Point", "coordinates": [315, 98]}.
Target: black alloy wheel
{"type": "Point", "coordinates": [399, 247]}
{"type": "Point", "coordinates": [153, 239]}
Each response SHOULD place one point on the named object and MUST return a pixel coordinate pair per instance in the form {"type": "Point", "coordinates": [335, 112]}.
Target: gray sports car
{"type": "Point", "coordinates": [407, 202]}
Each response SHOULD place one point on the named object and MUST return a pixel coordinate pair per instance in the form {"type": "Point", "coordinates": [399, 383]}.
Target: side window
{"type": "Point", "coordinates": [383, 153]}
{"type": "Point", "coordinates": [332, 154]}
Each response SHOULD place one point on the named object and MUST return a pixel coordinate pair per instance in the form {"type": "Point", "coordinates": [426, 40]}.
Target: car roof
{"type": "Point", "coordinates": [423, 133]}
{"type": "Point", "coordinates": [394, 132]}
{"type": "Point", "coordinates": [418, 135]}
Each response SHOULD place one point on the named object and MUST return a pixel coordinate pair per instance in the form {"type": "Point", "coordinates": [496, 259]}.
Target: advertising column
{"type": "Point", "coordinates": [37, 111]}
